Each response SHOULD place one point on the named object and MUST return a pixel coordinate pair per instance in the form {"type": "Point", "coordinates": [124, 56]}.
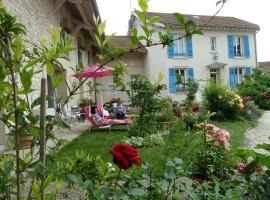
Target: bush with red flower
{"type": "Point", "coordinates": [124, 156]}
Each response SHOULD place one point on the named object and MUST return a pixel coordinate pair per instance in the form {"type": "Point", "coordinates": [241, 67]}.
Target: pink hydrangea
{"type": "Point", "coordinates": [241, 167]}
{"type": "Point", "coordinates": [218, 136]}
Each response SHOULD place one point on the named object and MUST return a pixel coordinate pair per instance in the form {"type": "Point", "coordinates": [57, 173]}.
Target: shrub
{"type": "Point", "coordinates": [257, 86]}
{"type": "Point", "coordinates": [149, 141]}
{"type": "Point", "coordinates": [221, 100]}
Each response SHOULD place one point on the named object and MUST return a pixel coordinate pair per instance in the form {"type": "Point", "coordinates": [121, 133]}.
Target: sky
{"type": "Point", "coordinates": [117, 12]}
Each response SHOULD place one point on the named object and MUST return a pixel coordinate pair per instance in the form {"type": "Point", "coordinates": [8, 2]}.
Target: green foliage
{"type": "Point", "coordinates": [221, 100]}
{"type": "Point", "coordinates": [8, 180]}
{"type": "Point", "coordinates": [85, 102]}
{"type": "Point", "coordinates": [258, 87]}
{"type": "Point", "coordinates": [148, 141]}
{"type": "Point", "coordinates": [146, 97]}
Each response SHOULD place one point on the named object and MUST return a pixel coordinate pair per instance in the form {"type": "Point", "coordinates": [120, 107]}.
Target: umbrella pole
{"type": "Point", "coordinates": [95, 87]}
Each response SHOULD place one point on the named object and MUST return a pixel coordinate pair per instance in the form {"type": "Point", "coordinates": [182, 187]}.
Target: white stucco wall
{"type": "Point", "coordinates": [157, 59]}
{"type": "Point", "coordinates": [134, 64]}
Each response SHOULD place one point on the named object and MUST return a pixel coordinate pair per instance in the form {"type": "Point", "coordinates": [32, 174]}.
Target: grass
{"type": "Point", "coordinates": [180, 144]}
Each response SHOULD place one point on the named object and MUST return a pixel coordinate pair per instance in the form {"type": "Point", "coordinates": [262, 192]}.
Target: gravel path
{"type": "Point", "coordinates": [259, 134]}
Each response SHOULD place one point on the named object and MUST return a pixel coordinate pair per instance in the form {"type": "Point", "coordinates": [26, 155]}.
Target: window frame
{"type": "Point", "coordinates": [180, 87]}
{"type": "Point", "coordinates": [236, 40]}
{"type": "Point", "coordinates": [237, 75]}
{"type": "Point", "coordinates": [179, 50]}
{"type": "Point", "coordinates": [213, 43]}
{"type": "Point", "coordinates": [216, 73]}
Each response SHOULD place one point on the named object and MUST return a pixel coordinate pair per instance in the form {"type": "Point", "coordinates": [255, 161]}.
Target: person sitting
{"type": "Point", "coordinates": [100, 120]}
{"type": "Point", "coordinates": [120, 110]}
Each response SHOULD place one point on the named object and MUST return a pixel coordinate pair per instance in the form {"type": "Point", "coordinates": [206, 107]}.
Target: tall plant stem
{"type": "Point", "coordinates": [205, 149]}
{"type": "Point", "coordinates": [115, 184]}
{"type": "Point", "coordinates": [16, 132]}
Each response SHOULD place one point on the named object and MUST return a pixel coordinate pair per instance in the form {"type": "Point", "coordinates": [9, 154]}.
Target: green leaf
{"type": "Point", "coordinates": [74, 179]}
{"type": "Point", "coordinates": [178, 161]}
{"type": "Point", "coordinates": [26, 79]}
{"type": "Point", "coordinates": [154, 20]}
{"type": "Point", "coordinates": [50, 68]}
{"type": "Point", "coordinates": [101, 27]}
{"type": "Point", "coordinates": [140, 15]}
{"type": "Point", "coordinates": [33, 62]}
{"type": "Point", "coordinates": [107, 39]}
{"type": "Point", "coordinates": [136, 192]}
{"type": "Point", "coordinates": [58, 80]}
{"type": "Point", "coordinates": [17, 48]}
{"type": "Point", "coordinates": [47, 181]}
{"type": "Point", "coordinates": [98, 41]}
{"type": "Point", "coordinates": [36, 190]}
{"type": "Point", "coordinates": [180, 18]}
{"type": "Point", "coordinates": [51, 53]}
{"type": "Point", "coordinates": [143, 5]}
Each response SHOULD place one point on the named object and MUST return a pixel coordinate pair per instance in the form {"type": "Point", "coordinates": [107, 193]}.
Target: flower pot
{"type": "Point", "coordinates": [25, 141]}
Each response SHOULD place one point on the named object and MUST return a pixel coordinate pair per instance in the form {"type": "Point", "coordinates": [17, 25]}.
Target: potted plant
{"type": "Point", "coordinates": [189, 119]}
{"type": "Point", "coordinates": [85, 102]}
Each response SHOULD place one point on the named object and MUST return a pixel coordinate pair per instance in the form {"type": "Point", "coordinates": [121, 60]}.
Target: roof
{"type": "Point", "coordinates": [265, 65]}
{"type": "Point", "coordinates": [201, 20]}
{"type": "Point", "coordinates": [216, 65]}
{"type": "Point", "coordinates": [124, 43]}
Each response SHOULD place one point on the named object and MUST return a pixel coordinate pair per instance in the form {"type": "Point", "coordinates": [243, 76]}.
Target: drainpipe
{"type": "Point", "coordinates": [255, 43]}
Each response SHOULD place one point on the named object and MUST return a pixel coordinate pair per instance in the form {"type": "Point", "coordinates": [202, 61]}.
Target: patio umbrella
{"type": "Point", "coordinates": [94, 71]}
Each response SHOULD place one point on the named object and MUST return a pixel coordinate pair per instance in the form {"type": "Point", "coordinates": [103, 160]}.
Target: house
{"type": "Point", "coordinates": [134, 62]}
{"type": "Point", "coordinates": [225, 52]}
{"type": "Point", "coordinates": [265, 65]}
{"type": "Point", "coordinates": [76, 19]}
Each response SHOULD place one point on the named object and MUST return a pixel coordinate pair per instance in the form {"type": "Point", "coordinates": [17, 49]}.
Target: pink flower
{"type": "Point", "coordinates": [241, 167]}
{"type": "Point", "coordinates": [216, 143]}
{"type": "Point", "coordinates": [247, 98]}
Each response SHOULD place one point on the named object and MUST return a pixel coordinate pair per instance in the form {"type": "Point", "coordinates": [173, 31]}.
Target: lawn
{"type": "Point", "coordinates": [181, 144]}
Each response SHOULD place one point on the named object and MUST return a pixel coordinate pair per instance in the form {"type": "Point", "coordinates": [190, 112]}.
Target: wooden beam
{"type": "Point", "coordinates": [58, 4]}
{"type": "Point", "coordinates": [75, 1]}
{"type": "Point", "coordinates": [82, 13]}
{"type": "Point", "coordinates": [76, 29]}
{"type": "Point", "coordinates": [87, 26]}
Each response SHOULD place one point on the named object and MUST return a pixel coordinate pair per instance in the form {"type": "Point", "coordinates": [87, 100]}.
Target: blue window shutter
{"type": "Point", "coordinates": [230, 46]}
{"type": "Point", "coordinates": [248, 70]}
{"type": "Point", "coordinates": [233, 82]}
{"type": "Point", "coordinates": [189, 48]}
{"type": "Point", "coordinates": [246, 46]}
{"type": "Point", "coordinates": [170, 50]}
{"type": "Point", "coordinates": [172, 80]}
{"type": "Point", "coordinates": [191, 74]}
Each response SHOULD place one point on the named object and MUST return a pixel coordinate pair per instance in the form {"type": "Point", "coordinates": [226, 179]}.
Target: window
{"type": "Point", "coordinates": [181, 77]}
{"type": "Point", "coordinates": [213, 43]}
{"type": "Point", "coordinates": [79, 56]}
{"type": "Point", "coordinates": [238, 46]}
{"type": "Point", "coordinates": [114, 90]}
{"type": "Point", "coordinates": [215, 74]}
{"type": "Point", "coordinates": [179, 46]}
{"type": "Point", "coordinates": [239, 75]}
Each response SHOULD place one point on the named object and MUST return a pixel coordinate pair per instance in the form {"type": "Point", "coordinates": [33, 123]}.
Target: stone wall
{"type": "Point", "coordinates": [37, 15]}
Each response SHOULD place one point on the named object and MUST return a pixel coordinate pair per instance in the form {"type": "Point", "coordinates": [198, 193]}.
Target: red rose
{"type": "Point", "coordinates": [196, 109]}
{"type": "Point", "coordinates": [124, 156]}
